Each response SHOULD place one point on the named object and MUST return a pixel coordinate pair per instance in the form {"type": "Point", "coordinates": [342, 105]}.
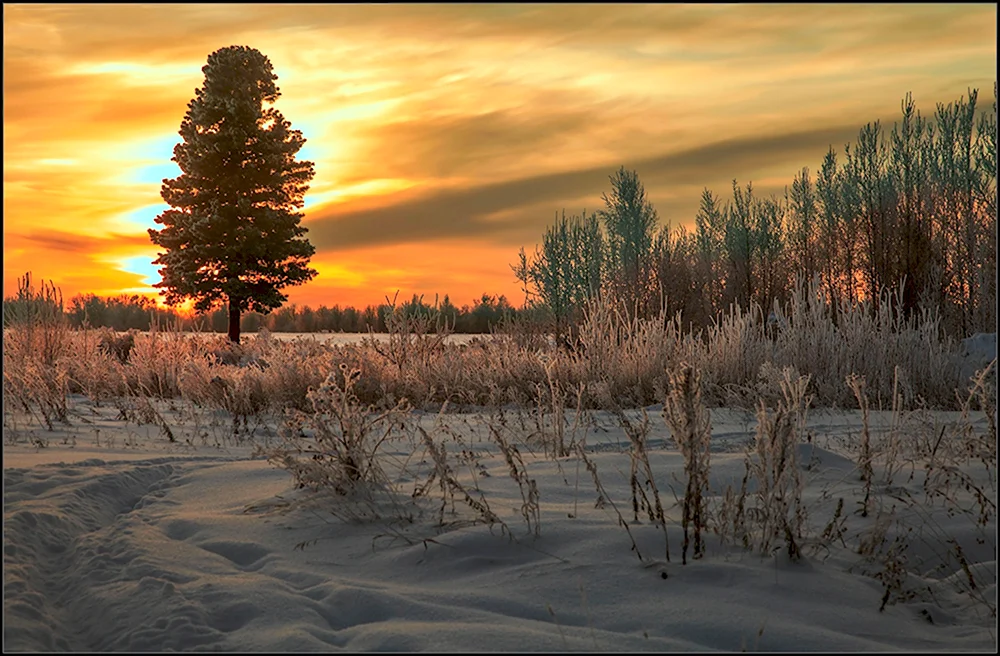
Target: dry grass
{"type": "Point", "coordinates": [449, 485]}
{"type": "Point", "coordinates": [603, 498]}
{"type": "Point", "coordinates": [775, 511]}
{"type": "Point", "coordinates": [829, 344]}
{"type": "Point", "coordinates": [630, 355]}
{"type": "Point", "coordinates": [527, 486]}
{"type": "Point", "coordinates": [739, 361]}
{"type": "Point", "coordinates": [35, 349]}
{"type": "Point", "coordinates": [691, 427]}
{"type": "Point", "coordinates": [865, 456]}
{"type": "Point", "coordinates": [340, 439]}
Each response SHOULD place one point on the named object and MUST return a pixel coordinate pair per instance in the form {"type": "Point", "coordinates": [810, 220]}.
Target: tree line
{"type": "Point", "coordinates": [135, 312]}
{"type": "Point", "coordinates": [911, 208]}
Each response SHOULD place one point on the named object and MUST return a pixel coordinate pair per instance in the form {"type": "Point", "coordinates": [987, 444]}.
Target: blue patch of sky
{"type": "Point", "coordinates": [155, 173]}
{"type": "Point", "coordinates": [143, 216]}
{"type": "Point", "coordinates": [314, 134]}
{"type": "Point", "coordinates": [143, 266]}
{"type": "Point", "coordinates": [155, 154]}
{"type": "Point", "coordinates": [308, 152]}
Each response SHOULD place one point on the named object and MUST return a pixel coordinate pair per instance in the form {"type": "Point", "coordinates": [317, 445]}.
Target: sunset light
{"type": "Point", "coordinates": [500, 327]}
{"type": "Point", "coordinates": [446, 137]}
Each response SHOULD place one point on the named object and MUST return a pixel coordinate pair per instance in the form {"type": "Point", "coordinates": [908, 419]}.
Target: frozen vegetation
{"type": "Point", "coordinates": [827, 486]}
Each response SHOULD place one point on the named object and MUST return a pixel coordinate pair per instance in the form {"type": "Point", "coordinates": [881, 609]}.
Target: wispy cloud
{"type": "Point", "coordinates": [75, 243]}
{"type": "Point", "coordinates": [471, 212]}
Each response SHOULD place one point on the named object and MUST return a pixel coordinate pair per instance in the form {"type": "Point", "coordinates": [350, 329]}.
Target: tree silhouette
{"type": "Point", "coordinates": [233, 232]}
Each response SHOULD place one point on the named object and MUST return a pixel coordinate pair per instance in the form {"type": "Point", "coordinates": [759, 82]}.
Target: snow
{"type": "Point", "coordinates": [977, 352]}
{"type": "Point", "coordinates": [116, 539]}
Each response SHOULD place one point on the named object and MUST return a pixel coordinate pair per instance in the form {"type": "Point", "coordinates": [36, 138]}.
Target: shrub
{"type": "Point", "coordinates": [118, 346]}
{"type": "Point", "coordinates": [691, 427]}
{"type": "Point", "coordinates": [346, 437]}
{"type": "Point", "coordinates": [771, 461]}
{"type": "Point", "coordinates": [35, 342]}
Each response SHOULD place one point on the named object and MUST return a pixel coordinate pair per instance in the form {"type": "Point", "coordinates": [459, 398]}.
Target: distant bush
{"type": "Point", "coordinates": [34, 345]}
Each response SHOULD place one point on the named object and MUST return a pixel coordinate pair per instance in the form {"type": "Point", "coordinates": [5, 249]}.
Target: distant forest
{"type": "Point", "coordinates": [911, 210]}
{"type": "Point", "coordinates": [140, 312]}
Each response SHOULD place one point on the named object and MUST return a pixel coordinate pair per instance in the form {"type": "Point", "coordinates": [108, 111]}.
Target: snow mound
{"type": "Point", "coordinates": [977, 351]}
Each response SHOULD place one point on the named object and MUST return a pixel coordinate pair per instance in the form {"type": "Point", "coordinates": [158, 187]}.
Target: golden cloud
{"type": "Point", "coordinates": [451, 133]}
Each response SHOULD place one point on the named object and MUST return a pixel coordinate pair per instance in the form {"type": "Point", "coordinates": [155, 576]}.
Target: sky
{"type": "Point", "coordinates": [446, 137]}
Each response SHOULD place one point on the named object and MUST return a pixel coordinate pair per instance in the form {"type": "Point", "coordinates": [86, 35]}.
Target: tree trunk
{"type": "Point", "coordinates": [234, 322]}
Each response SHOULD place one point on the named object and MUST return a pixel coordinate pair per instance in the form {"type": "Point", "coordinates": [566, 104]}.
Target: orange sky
{"type": "Point", "coordinates": [446, 137]}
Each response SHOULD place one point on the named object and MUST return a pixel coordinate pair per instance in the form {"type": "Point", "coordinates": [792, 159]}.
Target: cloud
{"type": "Point", "coordinates": [103, 106]}
{"type": "Point", "coordinates": [75, 243]}
{"type": "Point", "coordinates": [456, 145]}
{"type": "Point", "coordinates": [470, 212]}
{"type": "Point", "coordinates": [75, 263]}
{"type": "Point", "coordinates": [434, 125]}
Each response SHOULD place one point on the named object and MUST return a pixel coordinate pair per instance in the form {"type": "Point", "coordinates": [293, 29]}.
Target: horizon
{"type": "Point", "coordinates": [432, 173]}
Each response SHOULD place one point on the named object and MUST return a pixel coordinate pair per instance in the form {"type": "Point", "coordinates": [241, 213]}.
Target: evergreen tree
{"type": "Point", "coordinates": [771, 279]}
{"type": "Point", "coordinates": [675, 261]}
{"type": "Point", "coordinates": [552, 273]}
{"type": "Point", "coordinates": [232, 233]}
{"type": "Point", "coordinates": [912, 144]}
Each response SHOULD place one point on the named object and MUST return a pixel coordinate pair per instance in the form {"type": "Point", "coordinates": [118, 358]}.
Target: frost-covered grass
{"type": "Point", "coordinates": [627, 361]}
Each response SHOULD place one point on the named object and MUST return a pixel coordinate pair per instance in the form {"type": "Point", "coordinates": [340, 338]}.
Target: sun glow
{"type": "Point", "coordinates": [135, 73]}
{"type": "Point", "coordinates": [367, 188]}
{"type": "Point", "coordinates": [435, 127]}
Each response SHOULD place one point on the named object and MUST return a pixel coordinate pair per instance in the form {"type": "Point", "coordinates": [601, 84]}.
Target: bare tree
{"type": "Point", "coordinates": [740, 246]}
{"type": "Point", "coordinates": [630, 220]}
{"type": "Point", "coordinates": [710, 236]}
{"type": "Point", "coordinates": [802, 225]}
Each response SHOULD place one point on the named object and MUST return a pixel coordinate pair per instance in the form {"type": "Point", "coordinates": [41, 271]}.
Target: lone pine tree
{"type": "Point", "coordinates": [232, 233]}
